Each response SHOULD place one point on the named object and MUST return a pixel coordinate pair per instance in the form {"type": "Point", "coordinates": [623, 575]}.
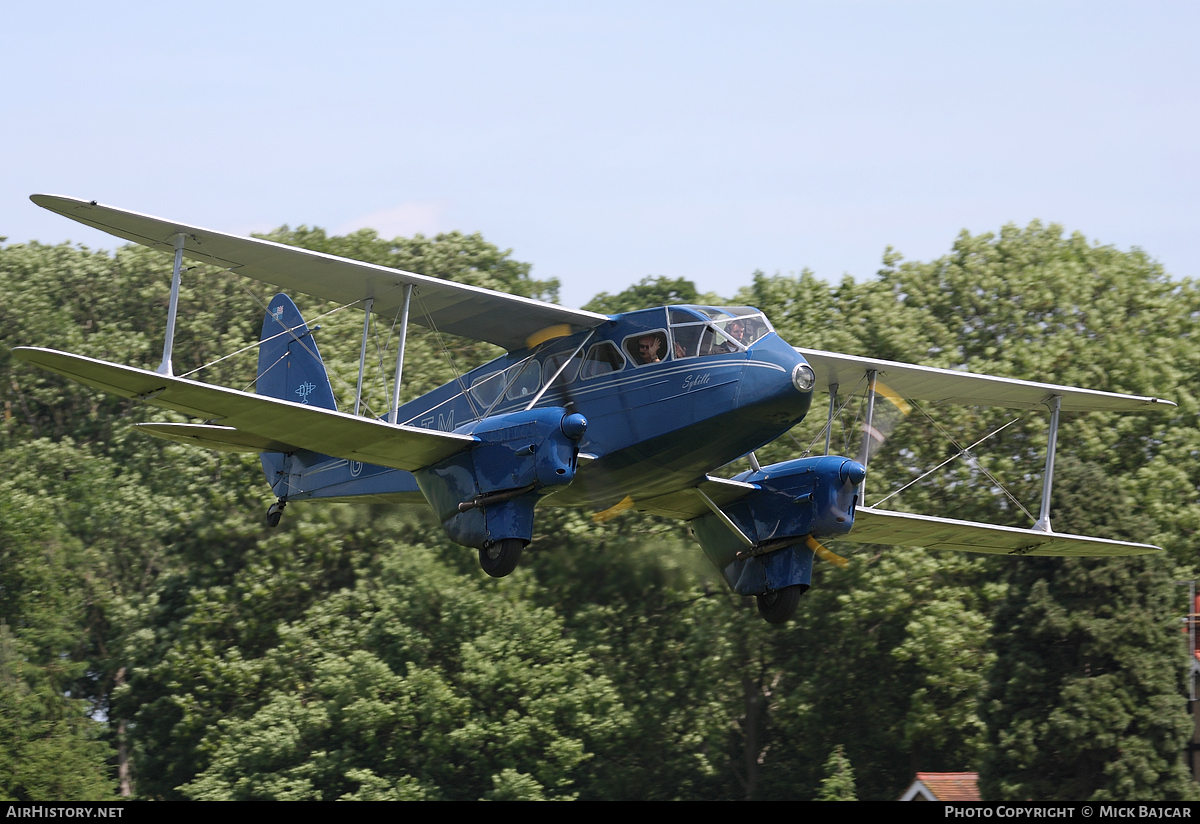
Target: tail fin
{"type": "Point", "coordinates": [289, 363]}
{"type": "Point", "coordinates": [289, 368]}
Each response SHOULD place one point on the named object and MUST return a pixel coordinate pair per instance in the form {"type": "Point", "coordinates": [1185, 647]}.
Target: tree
{"type": "Point", "coordinates": [418, 682]}
{"type": "Point", "coordinates": [354, 653]}
{"type": "Point", "coordinates": [838, 783]}
{"type": "Point", "coordinates": [649, 292]}
{"type": "Point", "coordinates": [1085, 701]}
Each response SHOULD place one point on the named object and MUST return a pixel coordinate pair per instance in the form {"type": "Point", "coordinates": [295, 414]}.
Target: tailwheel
{"type": "Point", "coordinates": [501, 558]}
{"type": "Point", "coordinates": [777, 606]}
{"type": "Point", "coordinates": [274, 513]}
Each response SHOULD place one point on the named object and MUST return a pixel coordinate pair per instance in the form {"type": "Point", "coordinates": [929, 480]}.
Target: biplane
{"type": "Point", "coordinates": [634, 410]}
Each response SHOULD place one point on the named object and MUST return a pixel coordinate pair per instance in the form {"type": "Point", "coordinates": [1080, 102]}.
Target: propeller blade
{"type": "Point", "coordinates": [826, 554]}
{"type": "Point", "coordinates": [887, 416]}
{"type": "Point", "coordinates": [613, 511]}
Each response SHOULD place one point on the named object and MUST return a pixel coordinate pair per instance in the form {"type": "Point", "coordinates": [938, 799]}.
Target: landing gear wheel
{"type": "Point", "coordinates": [778, 606]}
{"type": "Point", "coordinates": [274, 513]}
{"type": "Point", "coordinates": [501, 558]}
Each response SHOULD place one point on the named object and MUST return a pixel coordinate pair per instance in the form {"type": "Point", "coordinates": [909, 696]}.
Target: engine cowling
{"type": "Point", "coordinates": [794, 499]}
{"type": "Point", "coordinates": [488, 493]}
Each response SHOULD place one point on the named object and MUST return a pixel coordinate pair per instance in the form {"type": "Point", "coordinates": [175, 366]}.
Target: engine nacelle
{"type": "Point", "coordinates": [794, 499]}
{"type": "Point", "coordinates": [488, 493]}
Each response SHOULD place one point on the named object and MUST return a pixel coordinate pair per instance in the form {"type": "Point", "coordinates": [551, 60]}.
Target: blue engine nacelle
{"type": "Point", "coordinates": [794, 499]}
{"type": "Point", "coordinates": [487, 494]}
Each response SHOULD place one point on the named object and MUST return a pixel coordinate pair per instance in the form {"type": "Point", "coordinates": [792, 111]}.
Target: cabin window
{"type": "Point", "coordinates": [602, 359]}
{"type": "Point", "coordinates": [555, 361]}
{"type": "Point", "coordinates": [527, 382]}
{"type": "Point", "coordinates": [486, 389]}
{"type": "Point", "coordinates": [647, 347]}
{"type": "Point", "coordinates": [687, 339]}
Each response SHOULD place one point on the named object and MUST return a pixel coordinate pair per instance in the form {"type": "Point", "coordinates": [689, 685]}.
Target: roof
{"type": "Point", "coordinates": [947, 786]}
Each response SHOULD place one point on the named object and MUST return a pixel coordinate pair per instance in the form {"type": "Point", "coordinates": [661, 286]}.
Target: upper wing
{"type": "Point", "coordinates": [925, 383]}
{"type": "Point", "coordinates": [268, 420]}
{"type": "Point", "coordinates": [481, 314]}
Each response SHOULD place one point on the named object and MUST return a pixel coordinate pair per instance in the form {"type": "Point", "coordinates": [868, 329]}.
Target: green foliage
{"type": "Point", "coordinates": [838, 783]}
{"type": "Point", "coordinates": [649, 292]}
{"type": "Point", "coordinates": [428, 681]}
{"type": "Point", "coordinates": [1084, 702]}
{"type": "Point", "coordinates": [354, 653]}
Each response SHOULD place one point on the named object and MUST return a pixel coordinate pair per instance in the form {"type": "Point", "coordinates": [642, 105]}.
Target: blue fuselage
{"type": "Point", "coordinates": [654, 426]}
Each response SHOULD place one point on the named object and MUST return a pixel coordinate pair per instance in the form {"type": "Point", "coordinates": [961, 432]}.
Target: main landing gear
{"type": "Point", "coordinates": [777, 606]}
{"type": "Point", "coordinates": [501, 558]}
{"type": "Point", "coordinates": [275, 512]}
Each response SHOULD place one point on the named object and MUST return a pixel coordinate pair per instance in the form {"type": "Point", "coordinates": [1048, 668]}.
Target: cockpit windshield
{"type": "Point", "coordinates": [699, 331]}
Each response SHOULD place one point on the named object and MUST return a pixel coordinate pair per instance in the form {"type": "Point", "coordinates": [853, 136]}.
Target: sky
{"type": "Point", "coordinates": [605, 142]}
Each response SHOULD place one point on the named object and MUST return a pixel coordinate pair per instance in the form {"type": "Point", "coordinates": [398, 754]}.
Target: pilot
{"type": "Point", "coordinates": [734, 330]}
{"type": "Point", "coordinates": [737, 331]}
{"type": "Point", "coordinates": [648, 349]}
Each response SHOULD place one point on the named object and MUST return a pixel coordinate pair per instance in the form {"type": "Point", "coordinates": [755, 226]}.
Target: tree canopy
{"type": "Point", "coordinates": [158, 641]}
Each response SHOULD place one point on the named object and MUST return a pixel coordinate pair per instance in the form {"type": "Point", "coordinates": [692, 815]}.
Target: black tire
{"type": "Point", "coordinates": [501, 558]}
{"type": "Point", "coordinates": [778, 606]}
{"type": "Point", "coordinates": [274, 514]}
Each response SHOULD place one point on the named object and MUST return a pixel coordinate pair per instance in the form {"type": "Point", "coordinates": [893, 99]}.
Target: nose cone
{"type": "Point", "coordinates": [574, 425]}
{"type": "Point", "coordinates": [852, 472]}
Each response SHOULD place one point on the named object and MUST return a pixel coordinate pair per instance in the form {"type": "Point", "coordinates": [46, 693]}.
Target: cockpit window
{"type": "Point", "coordinates": [745, 330]}
{"type": "Point", "coordinates": [714, 330]}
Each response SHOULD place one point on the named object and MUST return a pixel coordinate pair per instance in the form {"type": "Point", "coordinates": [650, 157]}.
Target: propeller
{"type": "Point", "coordinates": [878, 427]}
{"type": "Point", "coordinates": [882, 421]}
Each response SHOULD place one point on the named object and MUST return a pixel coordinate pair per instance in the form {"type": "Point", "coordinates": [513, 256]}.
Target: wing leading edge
{"type": "Point", "coordinates": [469, 311]}
{"type": "Point", "coordinates": [262, 421]}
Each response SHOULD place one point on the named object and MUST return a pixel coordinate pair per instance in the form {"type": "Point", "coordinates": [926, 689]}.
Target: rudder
{"type": "Point", "coordinates": [289, 363]}
{"type": "Point", "coordinates": [289, 368]}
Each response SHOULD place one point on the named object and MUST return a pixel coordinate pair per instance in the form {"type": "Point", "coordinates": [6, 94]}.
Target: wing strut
{"type": "Point", "coordinates": [723, 518]}
{"type": "Point", "coordinates": [872, 377]}
{"type": "Point", "coordinates": [164, 368]}
{"type": "Point", "coordinates": [833, 388]}
{"type": "Point", "coordinates": [561, 368]}
{"type": "Point", "coordinates": [362, 352]}
{"type": "Point", "coordinates": [1043, 521]}
{"type": "Point", "coordinates": [400, 352]}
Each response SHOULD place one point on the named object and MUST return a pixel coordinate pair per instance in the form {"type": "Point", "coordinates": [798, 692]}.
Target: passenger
{"type": "Point", "coordinates": [648, 349]}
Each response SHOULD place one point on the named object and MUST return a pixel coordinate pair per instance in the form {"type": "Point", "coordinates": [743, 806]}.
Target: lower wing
{"type": "Point", "coordinates": [879, 526]}
{"type": "Point", "coordinates": [261, 422]}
